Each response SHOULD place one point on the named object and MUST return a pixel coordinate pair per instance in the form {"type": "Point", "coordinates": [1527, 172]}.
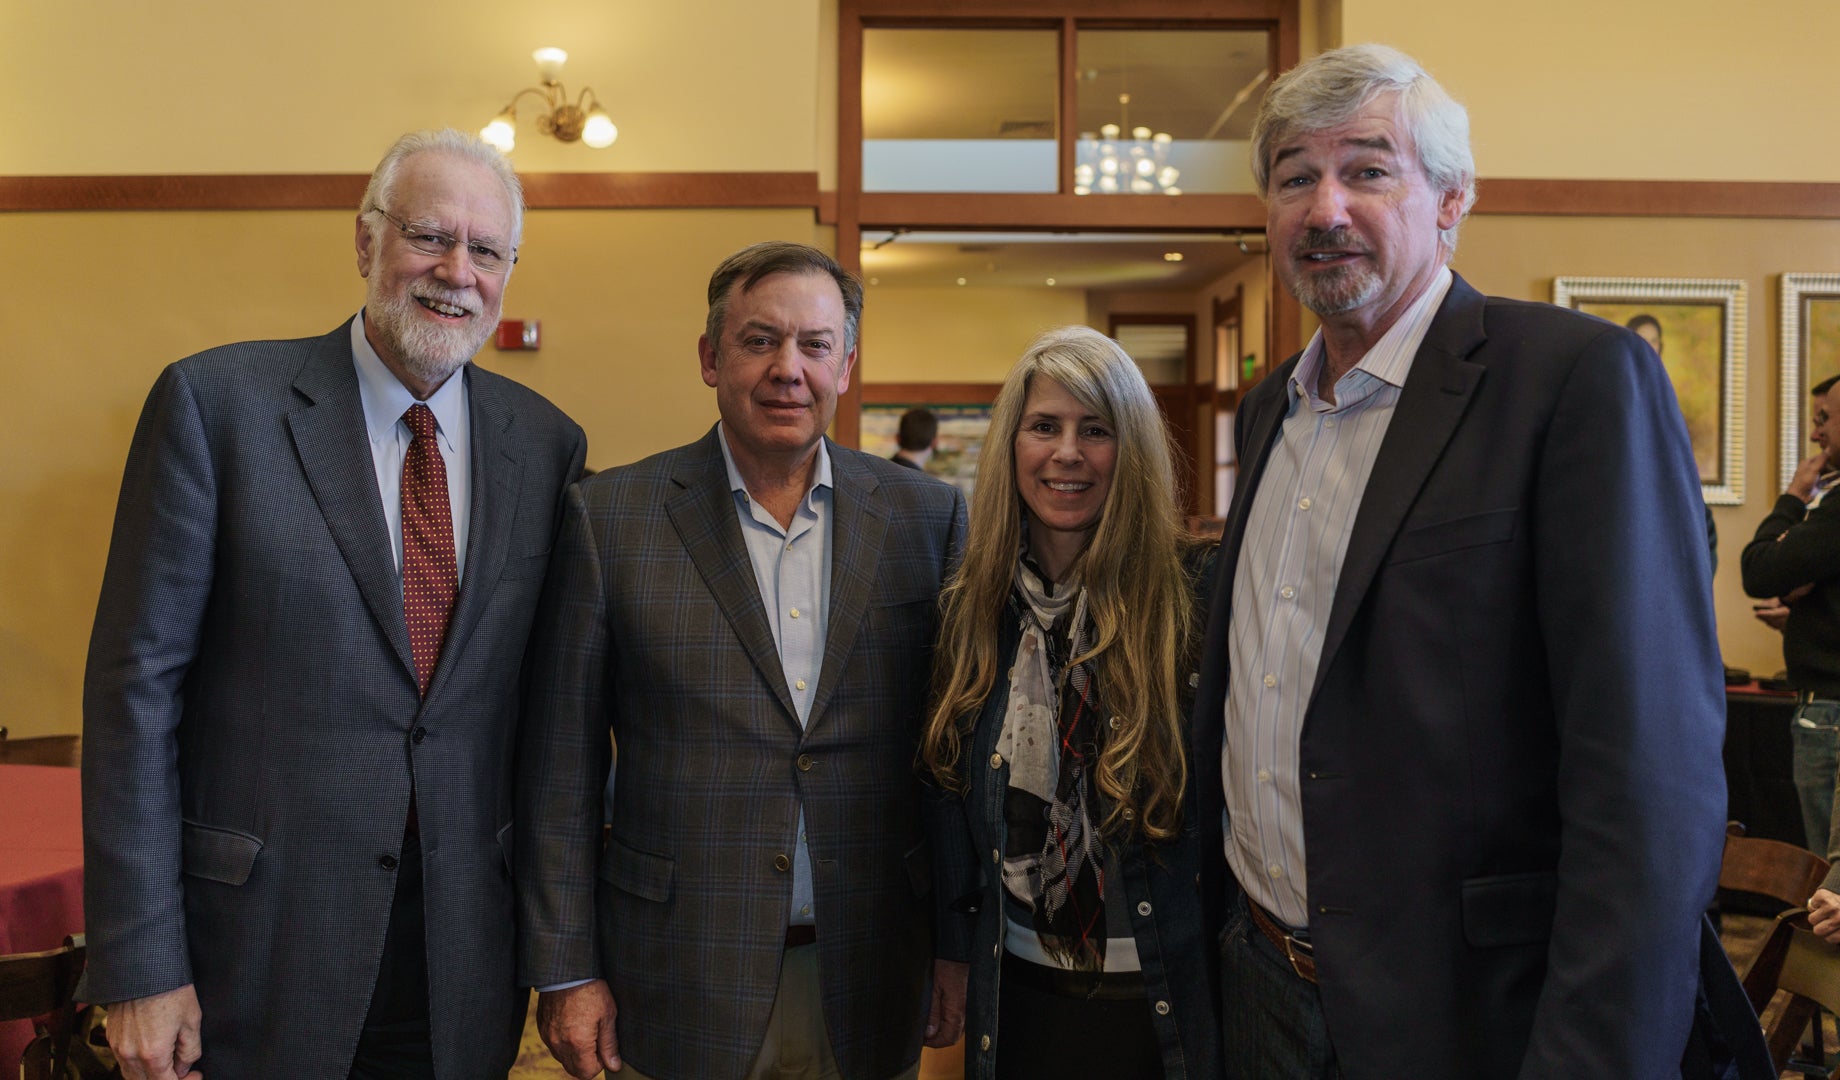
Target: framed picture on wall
{"type": "Point", "coordinates": [1697, 326]}
{"type": "Point", "coordinates": [1809, 353]}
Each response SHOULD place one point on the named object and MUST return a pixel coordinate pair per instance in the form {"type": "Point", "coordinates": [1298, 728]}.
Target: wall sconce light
{"type": "Point", "coordinates": [582, 120]}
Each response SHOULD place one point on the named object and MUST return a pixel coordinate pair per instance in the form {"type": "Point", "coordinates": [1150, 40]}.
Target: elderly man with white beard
{"type": "Point", "coordinates": [301, 693]}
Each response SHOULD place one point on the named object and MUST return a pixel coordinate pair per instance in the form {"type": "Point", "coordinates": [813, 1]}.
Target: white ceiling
{"type": "Point", "coordinates": [1073, 260]}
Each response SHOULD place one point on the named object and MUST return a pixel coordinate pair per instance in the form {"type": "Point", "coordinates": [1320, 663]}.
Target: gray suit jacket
{"type": "Point", "coordinates": [652, 625]}
{"type": "Point", "coordinates": [251, 723]}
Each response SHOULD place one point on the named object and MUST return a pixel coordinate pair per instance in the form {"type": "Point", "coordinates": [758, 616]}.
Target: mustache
{"type": "Point", "coordinates": [1328, 240]}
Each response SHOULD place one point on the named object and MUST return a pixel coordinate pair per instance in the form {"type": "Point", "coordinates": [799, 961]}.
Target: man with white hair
{"type": "Point", "coordinates": [302, 688]}
{"type": "Point", "coordinates": [1461, 663]}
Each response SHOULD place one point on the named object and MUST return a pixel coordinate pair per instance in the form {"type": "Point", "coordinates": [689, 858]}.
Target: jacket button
{"type": "Point", "coordinates": [804, 763]}
{"type": "Point", "coordinates": [388, 862]}
{"type": "Point", "coordinates": [1162, 1008]}
{"type": "Point", "coordinates": [781, 863]}
{"type": "Point", "coordinates": [984, 1043]}
{"type": "Point", "coordinates": [1143, 908]}
{"type": "Point", "coordinates": [419, 734]}
{"type": "Point", "coordinates": [996, 761]}
{"type": "Point", "coordinates": [996, 856]}
{"type": "Point", "coordinates": [1194, 679]}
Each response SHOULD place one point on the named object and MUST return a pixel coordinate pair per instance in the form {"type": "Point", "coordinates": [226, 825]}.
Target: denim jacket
{"type": "Point", "coordinates": [1161, 881]}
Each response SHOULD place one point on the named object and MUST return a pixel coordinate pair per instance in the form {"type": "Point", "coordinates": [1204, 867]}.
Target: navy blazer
{"type": "Point", "coordinates": [1512, 793]}
{"type": "Point", "coordinates": [252, 728]}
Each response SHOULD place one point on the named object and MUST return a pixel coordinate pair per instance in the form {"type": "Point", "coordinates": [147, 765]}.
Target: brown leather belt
{"type": "Point", "coordinates": [1301, 954]}
{"type": "Point", "coordinates": [804, 934]}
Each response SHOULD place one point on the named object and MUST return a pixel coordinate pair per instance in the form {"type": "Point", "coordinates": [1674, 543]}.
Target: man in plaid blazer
{"type": "Point", "coordinates": [751, 616]}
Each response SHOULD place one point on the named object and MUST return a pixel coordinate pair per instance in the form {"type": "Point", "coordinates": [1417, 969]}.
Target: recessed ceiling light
{"type": "Point", "coordinates": [875, 281]}
{"type": "Point", "coordinates": [961, 281]}
{"type": "Point", "coordinates": [1050, 281]}
{"type": "Point", "coordinates": [1172, 256]}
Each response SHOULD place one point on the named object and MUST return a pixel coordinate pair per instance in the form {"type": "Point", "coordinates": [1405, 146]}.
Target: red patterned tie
{"type": "Point", "coordinates": [430, 575]}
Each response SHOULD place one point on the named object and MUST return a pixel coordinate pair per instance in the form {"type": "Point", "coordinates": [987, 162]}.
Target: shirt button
{"type": "Point", "coordinates": [1287, 592]}
{"type": "Point", "coordinates": [1264, 776]}
{"type": "Point", "coordinates": [388, 862]}
{"type": "Point", "coordinates": [1127, 813]}
{"type": "Point", "coordinates": [1194, 679]}
{"type": "Point", "coordinates": [805, 909]}
{"type": "Point", "coordinates": [781, 863]}
{"type": "Point", "coordinates": [996, 761]}
{"type": "Point", "coordinates": [1162, 1008]}
{"type": "Point", "coordinates": [1303, 503]}
{"type": "Point", "coordinates": [805, 763]}
{"type": "Point", "coordinates": [1329, 422]}
{"type": "Point", "coordinates": [1143, 908]}
{"type": "Point", "coordinates": [1271, 680]}
{"type": "Point", "coordinates": [800, 684]}
{"type": "Point", "coordinates": [1275, 871]}
{"type": "Point", "coordinates": [795, 613]}
{"type": "Point", "coordinates": [1116, 723]}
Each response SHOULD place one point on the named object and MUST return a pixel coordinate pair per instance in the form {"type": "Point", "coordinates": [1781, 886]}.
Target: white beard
{"type": "Point", "coordinates": [431, 352]}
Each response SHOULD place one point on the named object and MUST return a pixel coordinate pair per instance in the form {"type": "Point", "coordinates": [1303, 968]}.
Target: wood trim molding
{"type": "Point", "coordinates": [341, 191]}
{"type": "Point", "coordinates": [1658, 198]}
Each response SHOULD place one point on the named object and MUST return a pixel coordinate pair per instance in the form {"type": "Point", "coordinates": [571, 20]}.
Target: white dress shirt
{"type": "Point", "coordinates": [1297, 534]}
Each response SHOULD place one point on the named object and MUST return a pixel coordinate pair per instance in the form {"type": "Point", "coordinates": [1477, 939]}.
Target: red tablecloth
{"type": "Point", "coordinates": [41, 872]}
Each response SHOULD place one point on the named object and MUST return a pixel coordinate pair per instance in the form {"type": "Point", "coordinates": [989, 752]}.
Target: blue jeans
{"type": "Point", "coordinates": [1814, 732]}
{"type": "Point", "coordinates": [1272, 1023]}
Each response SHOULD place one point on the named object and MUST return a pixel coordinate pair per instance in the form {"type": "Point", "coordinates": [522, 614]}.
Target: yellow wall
{"type": "Point", "coordinates": [1630, 89]}
{"type": "Point", "coordinates": [231, 86]}
{"type": "Point", "coordinates": [953, 334]}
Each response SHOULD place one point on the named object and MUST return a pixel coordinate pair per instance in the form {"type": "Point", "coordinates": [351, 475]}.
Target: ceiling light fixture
{"type": "Point", "coordinates": [583, 120]}
{"type": "Point", "coordinates": [1110, 166]}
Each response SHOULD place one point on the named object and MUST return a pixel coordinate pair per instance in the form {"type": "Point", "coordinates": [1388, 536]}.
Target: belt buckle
{"type": "Point", "coordinates": [1302, 956]}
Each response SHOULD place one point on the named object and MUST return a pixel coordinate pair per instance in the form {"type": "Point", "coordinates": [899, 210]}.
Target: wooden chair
{"type": "Point", "coordinates": [40, 984]}
{"type": "Point", "coordinates": [64, 750]}
{"type": "Point", "coordinates": [1808, 971]}
{"type": "Point", "coordinates": [1787, 875]}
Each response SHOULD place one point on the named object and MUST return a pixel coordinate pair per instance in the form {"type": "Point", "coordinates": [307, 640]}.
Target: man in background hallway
{"type": "Point", "coordinates": [302, 684]}
{"type": "Point", "coordinates": [916, 437]}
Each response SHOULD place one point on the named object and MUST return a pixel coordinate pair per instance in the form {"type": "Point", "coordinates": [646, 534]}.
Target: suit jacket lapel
{"type": "Point", "coordinates": [335, 453]}
{"type": "Point", "coordinates": [702, 511]}
{"type": "Point", "coordinates": [497, 468]}
{"type": "Point", "coordinates": [1436, 394]}
{"type": "Point", "coordinates": [859, 521]}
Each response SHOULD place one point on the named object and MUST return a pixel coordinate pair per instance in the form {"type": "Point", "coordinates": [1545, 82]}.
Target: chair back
{"type": "Point", "coordinates": [1782, 872]}
{"type": "Point", "coordinates": [42, 984]}
{"type": "Point", "coordinates": [63, 750]}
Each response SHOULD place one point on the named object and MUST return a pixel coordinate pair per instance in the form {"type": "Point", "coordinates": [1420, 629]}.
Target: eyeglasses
{"type": "Point", "coordinates": [432, 241]}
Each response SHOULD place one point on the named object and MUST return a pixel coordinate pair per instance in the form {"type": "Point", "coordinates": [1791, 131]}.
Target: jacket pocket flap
{"type": "Point", "coordinates": [919, 860]}
{"type": "Point", "coordinates": [1509, 909]}
{"type": "Point", "coordinates": [640, 873]}
{"type": "Point", "coordinates": [218, 854]}
{"type": "Point", "coordinates": [1474, 530]}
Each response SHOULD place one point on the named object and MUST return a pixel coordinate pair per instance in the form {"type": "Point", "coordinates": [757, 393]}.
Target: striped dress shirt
{"type": "Point", "coordinates": [1296, 536]}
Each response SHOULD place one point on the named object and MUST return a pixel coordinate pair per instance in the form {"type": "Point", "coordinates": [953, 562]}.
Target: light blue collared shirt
{"type": "Point", "coordinates": [792, 567]}
{"type": "Point", "coordinates": [385, 400]}
{"type": "Point", "coordinates": [1283, 588]}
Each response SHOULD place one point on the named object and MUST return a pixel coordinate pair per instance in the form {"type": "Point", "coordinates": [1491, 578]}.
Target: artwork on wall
{"type": "Point", "coordinates": [961, 437]}
{"type": "Point", "coordinates": [1808, 344]}
{"type": "Point", "coordinates": [1697, 326]}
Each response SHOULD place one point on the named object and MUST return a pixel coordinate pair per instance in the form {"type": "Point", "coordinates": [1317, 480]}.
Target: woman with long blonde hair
{"type": "Point", "coordinates": [1057, 734]}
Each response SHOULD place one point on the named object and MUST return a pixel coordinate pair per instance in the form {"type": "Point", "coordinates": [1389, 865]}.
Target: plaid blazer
{"type": "Point", "coordinates": [652, 626]}
{"type": "Point", "coordinates": [251, 727]}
